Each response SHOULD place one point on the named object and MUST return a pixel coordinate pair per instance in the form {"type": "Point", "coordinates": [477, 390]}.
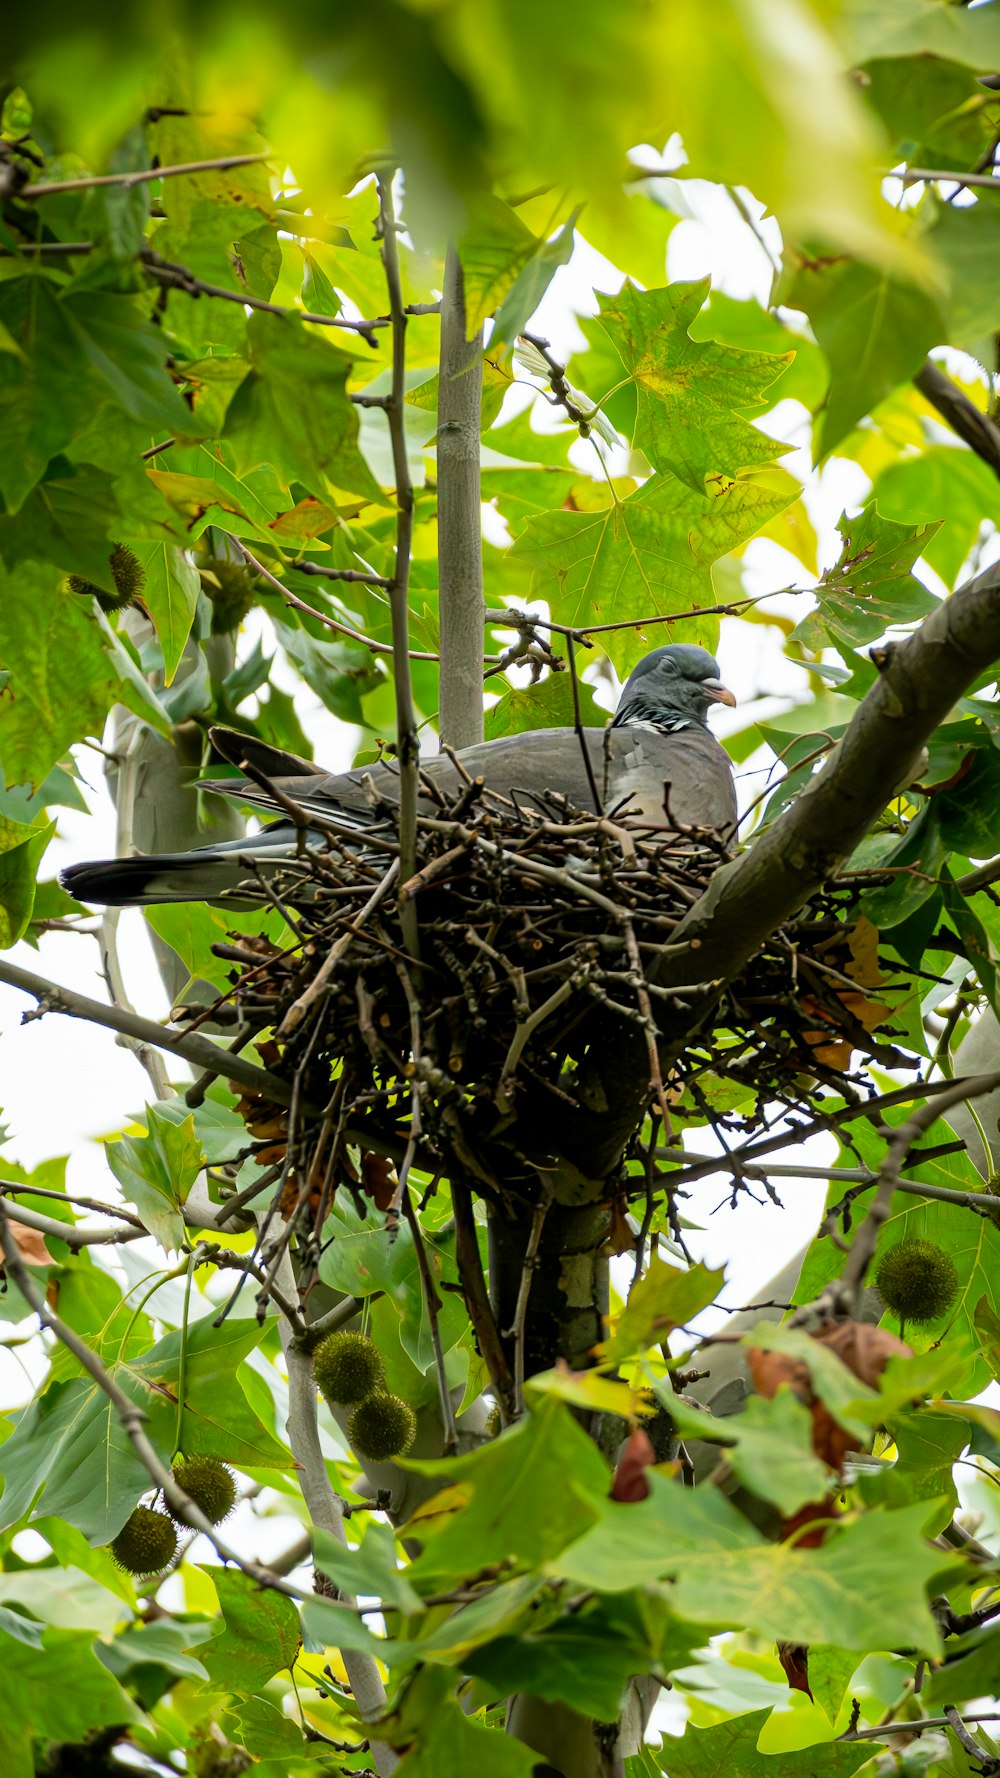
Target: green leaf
{"type": "Point", "coordinates": [871, 587]}
{"type": "Point", "coordinates": [965, 241]}
{"type": "Point", "coordinates": [528, 1493]}
{"type": "Point", "coordinates": [266, 1732]}
{"type": "Point", "coordinates": [647, 555]}
{"type": "Point", "coordinates": [532, 282]}
{"type": "Point", "coordinates": [933, 109]}
{"type": "Point", "coordinates": [156, 1172]}
{"type": "Point", "coordinates": [126, 355]}
{"type": "Point", "coordinates": [191, 929]}
{"type": "Point", "coordinates": [160, 1644]}
{"type": "Point", "coordinates": [494, 250]}
{"type": "Point", "coordinates": [21, 850]}
{"type": "Point", "coordinates": [60, 1690]}
{"type": "Point", "coordinates": [691, 395]}
{"type": "Point", "coordinates": [69, 1442]}
{"type": "Point", "coordinates": [261, 1634]}
{"type": "Point", "coordinates": [370, 1568]}
{"type": "Point", "coordinates": [450, 1741]}
{"type": "Point", "coordinates": [170, 595]}
{"type": "Point", "coordinates": [875, 330]}
{"type": "Point", "coordinates": [312, 441]}
{"type": "Point", "coordinates": [942, 483]}
{"type": "Point", "coordinates": [62, 683]}
{"type": "Point", "coordinates": [865, 1588]}
{"type": "Point", "coordinates": [768, 1446]}
{"type": "Point", "coordinates": [47, 394]}
{"type": "Point", "coordinates": [731, 1747]}
{"type": "Point", "coordinates": [546, 705]}
{"type": "Point", "coordinates": [921, 27]}
{"type": "Point", "coordinates": [70, 518]}
{"type": "Point", "coordinates": [665, 1298]}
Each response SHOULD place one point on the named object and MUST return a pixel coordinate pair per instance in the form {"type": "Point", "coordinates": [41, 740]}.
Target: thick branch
{"type": "Point", "coordinates": [460, 546]}
{"type": "Point", "coordinates": [811, 840]}
{"type": "Point", "coordinates": [962, 415]}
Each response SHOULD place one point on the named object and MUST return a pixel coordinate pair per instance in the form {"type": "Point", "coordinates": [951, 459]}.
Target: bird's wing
{"type": "Point", "coordinates": [631, 764]}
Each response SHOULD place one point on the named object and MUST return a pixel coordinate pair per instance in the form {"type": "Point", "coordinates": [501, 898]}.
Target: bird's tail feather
{"type": "Point", "coordinates": [211, 873]}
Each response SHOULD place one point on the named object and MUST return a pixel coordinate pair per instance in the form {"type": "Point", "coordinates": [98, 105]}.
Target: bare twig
{"type": "Point", "coordinates": [932, 175]}
{"type": "Point", "coordinates": [330, 623]}
{"type": "Point", "coordinates": [317, 987]}
{"type": "Point", "coordinates": [52, 188]}
{"type": "Point", "coordinates": [131, 1417]}
{"type": "Point", "coordinates": [519, 1327]}
{"type": "Point", "coordinates": [851, 1282]}
{"type": "Point", "coordinates": [477, 1301]}
{"type": "Point", "coordinates": [73, 1236]}
{"type": "Point", "coordinates": [989, 1762]}
{"type": "Point", "coordinates": [432, 1307]}
{"type": "Point", "coordinates": [192, 1047]}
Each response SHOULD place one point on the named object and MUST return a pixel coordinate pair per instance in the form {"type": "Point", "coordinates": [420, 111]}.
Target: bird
{"type": "Point", "coordinates": [657, 765]}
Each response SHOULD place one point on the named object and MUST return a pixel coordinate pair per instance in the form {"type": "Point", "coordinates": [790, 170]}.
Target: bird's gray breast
{"type": "Point", "coordinates": [684, 774]}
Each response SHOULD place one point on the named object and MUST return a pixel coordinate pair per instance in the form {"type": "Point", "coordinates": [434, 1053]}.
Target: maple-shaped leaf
{"type": "Point", "coordinates": [647, 555]}
{"type": "Point", "coordinates": [691, 395]}
{"type": "Point", "coordinates": [871, 587]}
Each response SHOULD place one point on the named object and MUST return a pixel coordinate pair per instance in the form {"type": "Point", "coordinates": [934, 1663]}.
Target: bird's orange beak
{"type": "Point", "coordinates": [719, 693]}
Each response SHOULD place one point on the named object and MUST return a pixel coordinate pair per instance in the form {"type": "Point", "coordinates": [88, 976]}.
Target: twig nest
{"type": "Point", "coordinates": [382, 1426]}
{"type": "Point", "coordinates": [347, 1368]}
{"type": "Point", "coordinates": [917, 1280]}
{"type": "Point", "coordinates": [211, 1485]}
{"type": "Point", "coordinates": [146, 1542]}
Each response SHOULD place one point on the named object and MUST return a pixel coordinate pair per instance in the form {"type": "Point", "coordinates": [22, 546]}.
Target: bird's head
{"type": "Point", "coordinates": [673, 687]}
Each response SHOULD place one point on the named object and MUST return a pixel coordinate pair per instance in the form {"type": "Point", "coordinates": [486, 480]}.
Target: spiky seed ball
{"type": "Point", "coordinates": [347, 1367]}
{"type": "Point", "coordinates": [129, 577]}
{"type": "Point", "coordinates": [383, 1426]}
{"type": "Point", "coordinates": [146, 1542]}
{"type": "Point", "coordinates": [917, 1280]}
{"type": "Point", "coordinates": [210, 1484]}
{"type": "Point", "coordinates": [230, 588]}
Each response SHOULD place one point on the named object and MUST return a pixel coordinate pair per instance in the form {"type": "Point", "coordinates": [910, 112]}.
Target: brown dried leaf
{"type": "Point", "coordinates": [629, 1482]}
{"type": "Point", "coordinates": [30, 1243]}
{"type": "Point", "coordinates": [378, 1179]}
{"type": "Point", "coordinates": [862, 1347]}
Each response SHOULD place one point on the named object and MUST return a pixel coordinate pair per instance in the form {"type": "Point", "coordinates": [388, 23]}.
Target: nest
{"type": "Point", "coordinates": [531, 919]}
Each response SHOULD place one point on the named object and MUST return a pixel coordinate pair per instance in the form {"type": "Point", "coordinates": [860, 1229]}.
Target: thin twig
{"type": "Point", "coordinates": [317, 987]}
{"type": "Point", "coordinates": [477, 1301]}
{"type": "Point", "coordinates": [931, 175]}
{"type": "Point", "coordinates": [989, 1762]}
{"type": "Point", "coordinates": [432, 1307]}
{"type": "Point", "coordinates": [519, 1328]}
{"type": "Point", "coordinates": [851, 1282]}
{"type": "Point", "coordinates": [192, 1047]}
{"type": "Point", "coordinates": [69, 1232]}
{"type": "Point", "coordinates": [131, 1417]}
{"type": "Point", "coordinates": [52, 188]}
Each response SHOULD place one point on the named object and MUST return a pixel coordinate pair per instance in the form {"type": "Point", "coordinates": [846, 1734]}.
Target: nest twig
{"type": "Point", "coordinates": [532, 914]}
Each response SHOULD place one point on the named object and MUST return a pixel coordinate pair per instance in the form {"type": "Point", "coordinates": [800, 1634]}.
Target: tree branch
{"type": "Point", "coordinates": [749, 898]}
{"type": "Point", "coordinates": [407, 741]}
{"type": "Point", "coordinates": [54, 187]}
{"type": "Point", "coordinates": [188, 1044]}
{"type": "Point", "coordinates": [460, 545]}
{"type": "Point", "coordinates": [325, 1510]}
{"type": "Point", "coordinates": [132, 1418]}
{"type": "Point", "coordinates": [962, 415]}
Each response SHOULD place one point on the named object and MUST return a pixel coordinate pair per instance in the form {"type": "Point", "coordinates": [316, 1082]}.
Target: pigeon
{"type": "Point", "coordinates": [657, 766]}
